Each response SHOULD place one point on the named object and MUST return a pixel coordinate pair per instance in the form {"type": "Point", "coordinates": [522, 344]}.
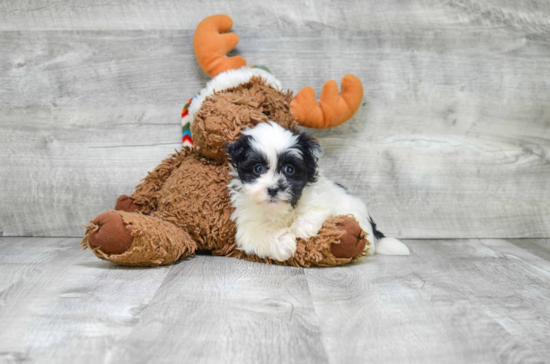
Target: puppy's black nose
{"type": "Point", "coordinates": [272, 191]}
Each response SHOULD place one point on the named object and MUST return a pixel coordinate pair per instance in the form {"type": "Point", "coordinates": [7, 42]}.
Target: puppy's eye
{"type": "Point", "coordinates": [258, 169]}
{"type": "Point", "coordinates": [289, 170]}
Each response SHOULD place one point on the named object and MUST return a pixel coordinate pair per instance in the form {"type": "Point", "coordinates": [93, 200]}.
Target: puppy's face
{"type": "Point", "coordinates": [274, 164]}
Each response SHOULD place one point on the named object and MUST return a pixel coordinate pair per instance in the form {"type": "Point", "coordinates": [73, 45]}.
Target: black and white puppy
{"type": "Point", "coordinates": [279, 194]}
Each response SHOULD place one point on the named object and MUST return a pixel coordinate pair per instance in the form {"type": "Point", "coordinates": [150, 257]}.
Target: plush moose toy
{"type": "Point", "coordinates": [183, 205]}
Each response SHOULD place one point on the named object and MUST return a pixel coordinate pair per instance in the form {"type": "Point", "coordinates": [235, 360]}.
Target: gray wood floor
{"type": "Point", "coordinates": [451, 301]}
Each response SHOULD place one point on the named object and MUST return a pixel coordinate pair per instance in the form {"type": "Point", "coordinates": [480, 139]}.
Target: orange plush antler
{"type": "Point", "coordinates": [211, 45]}
{"type": "Point", "coordinates": [333, 109]}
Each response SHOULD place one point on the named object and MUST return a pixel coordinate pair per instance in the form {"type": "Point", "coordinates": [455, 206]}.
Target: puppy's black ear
{"type": "Point", "coordinates": [310, 146]}
{"type": "Point", "coordinates": [315, 148]}
{"type": "Point", "coordinates": [237, 150]}
{"type": "Point", "coordinates": [311, 151]}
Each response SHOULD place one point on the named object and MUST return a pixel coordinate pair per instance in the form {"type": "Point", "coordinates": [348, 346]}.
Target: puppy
{"type": "Point", "coordinates": [279, 194]}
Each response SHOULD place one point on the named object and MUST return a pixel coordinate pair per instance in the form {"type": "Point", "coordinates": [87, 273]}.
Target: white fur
{"type": "Point", "coordinates": [269, 228]}
{"type": "Point", "coordinates": [391, 246]}
{"type": "Point", "coordinates": [271, 139]}
{"type": "Point", "coordinates": [230, 79]}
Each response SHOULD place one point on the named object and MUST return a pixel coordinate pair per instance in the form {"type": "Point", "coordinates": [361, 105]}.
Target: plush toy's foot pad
{"type": "Point", "coordinates": [352, 243]}
{"type": "Point", "coordinates": [134, 239]}
{"type": "Point", "coordinates": [125, 203]}
{"type": "Point", "coordinates": [111, 235]}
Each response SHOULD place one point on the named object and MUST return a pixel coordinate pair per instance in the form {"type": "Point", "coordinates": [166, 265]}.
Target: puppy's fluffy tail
{"type": "Point", "coordinates": [391, 246]}
{"type": "Point", "coordinates": [388, 246]}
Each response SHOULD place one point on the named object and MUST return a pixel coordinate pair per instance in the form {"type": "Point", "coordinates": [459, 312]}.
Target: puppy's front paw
{"type": "Point", "coordinates": [305, 229]}
{"type": "Point", "coordinates": [284, 247]}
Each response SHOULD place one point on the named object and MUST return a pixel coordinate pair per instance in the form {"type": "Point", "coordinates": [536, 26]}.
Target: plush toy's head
{"type": "Point", "coordinates": [222, 116]}
{"type": "Point", "coordinates": [239, 96]}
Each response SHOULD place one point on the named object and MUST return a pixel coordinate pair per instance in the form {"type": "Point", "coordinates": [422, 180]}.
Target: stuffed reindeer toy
{"type": "Point", "coordinates": [184, 204]}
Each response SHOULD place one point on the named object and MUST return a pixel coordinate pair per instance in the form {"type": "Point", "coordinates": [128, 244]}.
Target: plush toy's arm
{"type": "Point", "coordinates": [145, 194]}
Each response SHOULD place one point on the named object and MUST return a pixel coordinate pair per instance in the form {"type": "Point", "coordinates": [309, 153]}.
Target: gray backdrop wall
{"type": "Point", "coordinates": [453, 139]}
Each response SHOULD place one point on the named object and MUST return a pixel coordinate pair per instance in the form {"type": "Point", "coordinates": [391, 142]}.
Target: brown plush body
{"type": "Point", "coordinates": [183, 205]}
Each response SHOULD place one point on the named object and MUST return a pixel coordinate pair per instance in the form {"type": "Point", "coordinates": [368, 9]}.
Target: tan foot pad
{"type": "Point", "coordinates": [352, 243]}
{"type": "Point", "coordinates": [110, 234]}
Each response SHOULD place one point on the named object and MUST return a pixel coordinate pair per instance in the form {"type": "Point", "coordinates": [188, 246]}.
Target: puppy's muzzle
{"type": "Point", "coordinates": [273, 191]}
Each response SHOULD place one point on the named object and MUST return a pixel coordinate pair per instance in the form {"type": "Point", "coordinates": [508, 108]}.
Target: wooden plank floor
{"type": "Point", "coordinates": [451, 301]}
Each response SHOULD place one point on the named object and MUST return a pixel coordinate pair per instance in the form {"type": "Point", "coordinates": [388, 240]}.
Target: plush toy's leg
{"type": "Point", "coordinates": [340, 241]}
{"type": "Point", "coordinates": [352, 243]}
{"type": "Point", "coordinates": [136, 240]}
